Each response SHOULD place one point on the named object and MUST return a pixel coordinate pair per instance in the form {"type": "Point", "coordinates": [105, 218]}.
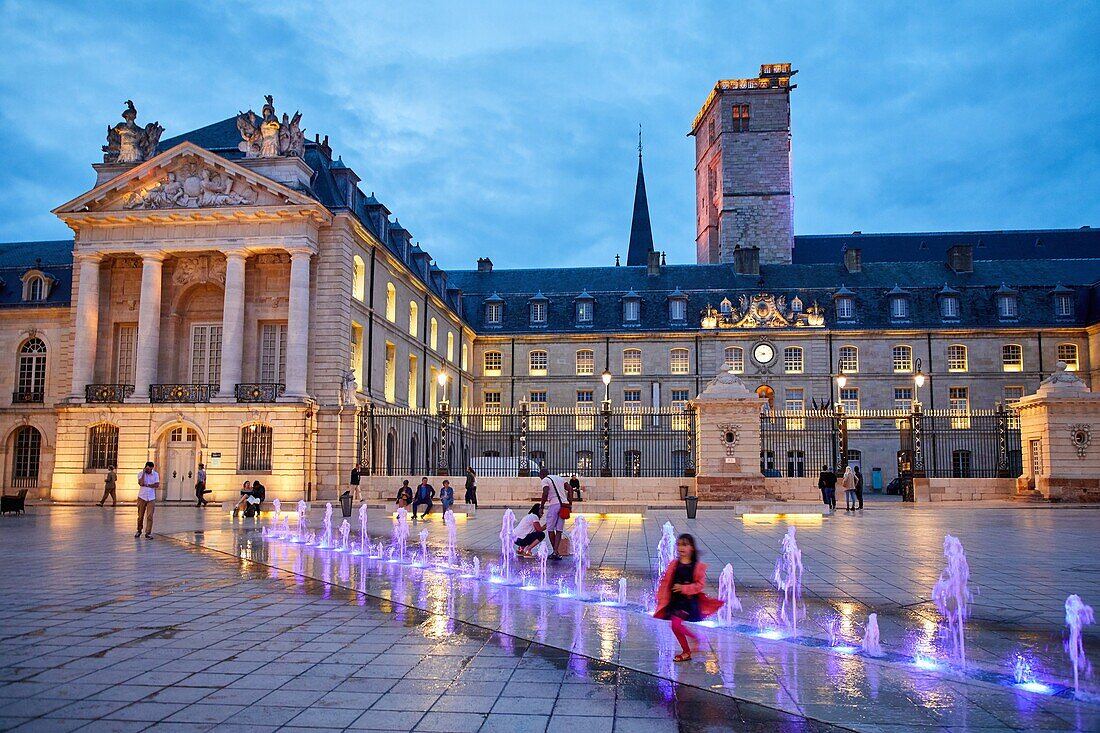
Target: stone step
{"type": "Point", "coordinates": [1028, 496]}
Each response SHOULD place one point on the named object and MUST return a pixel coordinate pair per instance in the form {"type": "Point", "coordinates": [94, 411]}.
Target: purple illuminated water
{"type": "Point", "coordinates": [507, 544]}
{"type": "Point", "coordinates": [364, 538]}
{"type": "Point", "coordinates": [543, 551]}
{"type": "Point", "coordinates": [871, 645]}
{"type": "Point", "coordinates": [326, 527]}
{"type": "Point", "coordinates": [727, 592]}
{"type": "Point", "coordinates": [345, 530]}
{"type": "Point", "coordinates": [788, 578]}
{"type": "Point", "coordinates": [622, 591]}
{"type": "Point", "coordinates": [277, 517]}
{"type": "Point", "coordinates": [666, 552]}
{"type": "Point", "coordinates": [423, 556]}
{"type": "Point", "coordinates": [1077, 615]}
{"type": "Point", "coordinates": [952, 595]}
{"type": "Point", "coordinates": [578, 540]}
{"type": "Point", "coordinates": [452, 552]}
{"type": "Point", "coordinates": [303, 521]}
{"type": "Point", "coordinates": [400, 535]}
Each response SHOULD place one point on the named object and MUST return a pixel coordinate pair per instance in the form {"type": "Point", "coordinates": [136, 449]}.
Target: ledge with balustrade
{"type": "Point", "coordinates": [107, 392]}
{"type": "Point", "coordinates": [259, 391]}
{"type": "Point", "coordinates": [182, 393]}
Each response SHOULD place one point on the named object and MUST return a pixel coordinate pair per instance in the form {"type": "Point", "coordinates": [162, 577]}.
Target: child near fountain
{"type": "Point", "coordinates": [680, 596]}
{"type": "Point", "coordinates": [529, 532]}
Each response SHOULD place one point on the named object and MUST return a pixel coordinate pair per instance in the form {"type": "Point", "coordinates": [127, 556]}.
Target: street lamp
{"type": "Point", "coordinates": [606, 376]}
{"type": "Point", "coordinates": [444, 403]}
{"type": "Point", "coordinates": [841, 380]}
{"type": "Point", "coordinates": [918, 380]}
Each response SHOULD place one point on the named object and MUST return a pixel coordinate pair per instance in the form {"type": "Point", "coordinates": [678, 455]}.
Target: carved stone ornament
{"type": "Point", "coordinates": [192, 186]}
{"type": "Point", "coordinates": [266, 136]}
{"type": "Point", "coordinates": [762, 310]}
{"type": "Point", "coordinates": [128, 143]}
{"type": "Point", "coordinates": [729, 434]}
{"type": "Point", "coordinates": [1081, 436]}
{"type": "Point", "coordinates": [201, 269]}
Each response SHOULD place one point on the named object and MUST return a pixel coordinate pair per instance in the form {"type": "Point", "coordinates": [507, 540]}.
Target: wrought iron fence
{"type": "Point", "coordinates": [107, 392]}
{"type": "Point", "coordinates": [798, 443]}
{"type": "Point", "coordinates": [516, 442]}
{"type": "Point", "coordinates": [972, 444]}
{"type": "Point", "coordinates": [259, 392]}
{"type": "Point", "coordinates": [28, 396]}
{"type": "Point", "coordinates": [190, 393]}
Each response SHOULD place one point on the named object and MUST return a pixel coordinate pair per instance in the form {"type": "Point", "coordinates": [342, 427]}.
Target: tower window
{"type": "Point", "coordinates": [740, 117]}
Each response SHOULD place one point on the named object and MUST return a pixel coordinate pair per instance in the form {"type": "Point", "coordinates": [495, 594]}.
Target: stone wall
{"type": "Point", "coordinates": [963, 489]}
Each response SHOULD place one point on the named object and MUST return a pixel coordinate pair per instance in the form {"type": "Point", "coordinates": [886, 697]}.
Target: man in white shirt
{"type": "Point", "coordinates": [553, 495]}
{"type": "Point", "coordinates": [148, 483]}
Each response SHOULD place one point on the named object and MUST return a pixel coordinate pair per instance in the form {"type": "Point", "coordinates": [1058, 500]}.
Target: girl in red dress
{"type": "Point", "coordinates": [680, 596]}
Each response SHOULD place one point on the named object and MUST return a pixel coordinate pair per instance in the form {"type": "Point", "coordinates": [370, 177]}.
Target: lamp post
{"type": "Point", "coordinates": [918, 382]}
{"type": "Point", "coordinates": [443, 464]}
{"type": "Point", "coordinates": [605, 468]}
{"type": "Point", "coordinates": [444, 403]}
{"type": "Point", "coordinates": [841, 381]}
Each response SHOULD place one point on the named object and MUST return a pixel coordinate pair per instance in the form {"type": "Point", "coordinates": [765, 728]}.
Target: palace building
{"type": "Point", "coordinates": [232, 296]}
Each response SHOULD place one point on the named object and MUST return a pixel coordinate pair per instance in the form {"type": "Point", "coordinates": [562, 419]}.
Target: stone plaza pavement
{"type": "Point", "coordinates": [208, 626]}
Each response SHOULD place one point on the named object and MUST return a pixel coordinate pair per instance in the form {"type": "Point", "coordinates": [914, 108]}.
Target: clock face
{"type": "Point", "coordinates": [763, 353]}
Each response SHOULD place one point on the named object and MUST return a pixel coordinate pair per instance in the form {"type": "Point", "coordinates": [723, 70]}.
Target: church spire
{"type": "Point", "coordinates": [641, 233]}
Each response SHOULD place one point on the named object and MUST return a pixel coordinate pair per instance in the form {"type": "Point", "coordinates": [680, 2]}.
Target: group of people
{"type": "Point", "coordinates": [851, 482]}
{"type": "Point", "coordinates": [423, 495]}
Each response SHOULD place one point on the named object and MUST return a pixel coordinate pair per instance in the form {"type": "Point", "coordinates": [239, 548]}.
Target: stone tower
{"type": "Point", "coordinates": [743, 168]}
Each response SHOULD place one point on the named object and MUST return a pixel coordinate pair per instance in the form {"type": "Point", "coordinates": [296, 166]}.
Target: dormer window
{"type": "Point", "coordinates": [949, 306]}
{"type": "Point", "coordinates": [845, 304]}
{"type": "Point", "coordinates": [899, 304]}
{"type": "Point", "coordinates": [677, 306]}
{"type": "Point", "coordinates": [36, 289]}
{"type": "Point", "coordinates": [1063, 301]}
{"type": "Point", "coordinates": [494, 310]}
{"type": "Point", "coordinates": [583, 305]}
{"type": "Point", "coordinates": [36, 286]}
{"type": "Point", "coordinates": [632, 308]}
{"type": "Point", "coordinates": [1007, 306]}
{"type": "Point", "coordinates": [537, 306]}
{"type": "Point", "coordinates": [796, 304]}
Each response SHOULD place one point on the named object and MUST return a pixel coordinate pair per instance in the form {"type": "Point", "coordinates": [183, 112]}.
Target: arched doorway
{"type": "Point", "coordinates": [179, 464]}
{"type": "Point", "coordinates": [767, 393]}
{"type": "Point", "coordinates": [26, 457]}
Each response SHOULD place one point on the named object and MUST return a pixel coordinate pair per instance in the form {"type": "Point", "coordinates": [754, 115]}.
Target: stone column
{"type": "Point", "coordinates": [728, 441]}
{"type": "Point", "coordinates": [86, 328]}
{"type": "Point", "coordinates": [146, 360]}
{"type": "Point", "coordinates": [232, 325]}
{"type": "Point", "coordinates": [297, 336]}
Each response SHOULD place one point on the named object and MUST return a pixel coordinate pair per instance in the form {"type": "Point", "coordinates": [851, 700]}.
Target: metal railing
{"type": "Point", "coordinates": [519, 442]}
{"type": "Point", "coordinates": [28, 396]}
{"type": "Point", "coordinates": [189, 393]}
{"type": "Point", "coordinates": [970, 444]}
{"type": "Point", "coordinates": [259, 391]}
{"type": "Point", "coordinates": [107, 392]}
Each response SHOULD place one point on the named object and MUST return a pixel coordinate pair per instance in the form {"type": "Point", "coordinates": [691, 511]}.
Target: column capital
{"type": "Point", "coordinates": [152, 256]}
{"type": "Point", "coordinates": [243, 254]}
{"type": "Point", "coordinates": [297, 253]}
{"type": "Point", "coordinates": [89, 257]}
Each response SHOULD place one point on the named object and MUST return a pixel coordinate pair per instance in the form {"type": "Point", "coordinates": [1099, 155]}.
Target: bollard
{"type": "Point", "coordinates": [692, 504]}
{"type": "Point", "coordinates": [345, 504]}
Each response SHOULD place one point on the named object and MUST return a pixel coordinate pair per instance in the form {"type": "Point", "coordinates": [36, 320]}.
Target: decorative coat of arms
{"type": "Point", "coordinates": [266, 136]}
{"type": "Point", "coordinates": [763, 310]}
{"type": "Point", "coordinates": [730, 434]}
{"type": "Point", "coordinates": [129, 143]}
{"type": "Point", "coordinates": [192, 186]}
{"type": "Point", "coordinates": [1081, 435]}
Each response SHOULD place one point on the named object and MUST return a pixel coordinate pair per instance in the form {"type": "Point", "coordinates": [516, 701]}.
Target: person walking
{"type": "Point", "coordinates": [404, 493]}
{"type": "Point", "coordinates": [826, 481]}
{"type": "Point", "coordinates": [356, 473]}
{"type": "Point", "coordinates": [471, 488]}
{"type": "Point", "coordinates": [848, 483]}
{"type": "Point", "coordinates": [529, 532]}
{"type": "Point", "coordinates": [200, 486]}
{"type": "Point", "coordinates": [859, 488]}
{"type": "Point", "coordinates": [425, 492]}
{"type": "Point", "coordinates": [680, 595]}
{"type": "Point", "coordinates": [446, 495]}
{"type": "Point", "coordinates": [148, 483]}
{"type": "Point", "coordinates": [552, 490]}
{"type": "Point", "coordinates": [109, 482]}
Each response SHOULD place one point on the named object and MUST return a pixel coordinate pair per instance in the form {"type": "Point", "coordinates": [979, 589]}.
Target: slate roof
{"type": "Point", "coordinates": [55, 258]}
{"type": "Point", "coordinates": [1023, 244]}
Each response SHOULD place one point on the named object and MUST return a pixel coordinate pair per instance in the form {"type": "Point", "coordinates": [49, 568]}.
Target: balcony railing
{"type": "Point", "coordinates": [259, 391]}
{"type": "Point", "coordinates": [107, 392]}
{"type": "Point", "coordinates": [182, 392]}
{"type": "Point", "coordinates": [28, 396]}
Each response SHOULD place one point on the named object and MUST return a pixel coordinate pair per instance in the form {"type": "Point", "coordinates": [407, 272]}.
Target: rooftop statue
{"type": "Point", "coordinates": [129, 143]}
{"type": "Point", "coordinates": [266, 136]}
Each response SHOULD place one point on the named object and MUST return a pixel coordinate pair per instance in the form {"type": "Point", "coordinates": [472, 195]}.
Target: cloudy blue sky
{"type": "Point", "coordinates": [509, 129]}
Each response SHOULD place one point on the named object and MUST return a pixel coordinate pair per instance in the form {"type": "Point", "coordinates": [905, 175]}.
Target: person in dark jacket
{"type": "Point", "coordinates": [859, 487]}
{"type": "Point", "coordinates": [471, 487]}
{"type": "Point", "coordinates": [356, 472]}
{"type": "Point", "coordinates": [425, 492]}
{"type": "Point", "coordinates": [405, 492]}
{"type": "Point", "coordinates": [827, 483]}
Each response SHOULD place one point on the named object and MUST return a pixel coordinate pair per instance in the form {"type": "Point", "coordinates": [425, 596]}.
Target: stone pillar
{"type": "Point", "coordinates": [1060, 440]}
{"type": "Point", "coordinates": [297, 336]}
{"type": "Point", "coordinates": [86, 328]}
{"type": "Point", "coordinates": [232, 325]}
{"type": "Point", "coordinates": [728, 441]}
{"type": "Point", "coordinates": [146, 360]}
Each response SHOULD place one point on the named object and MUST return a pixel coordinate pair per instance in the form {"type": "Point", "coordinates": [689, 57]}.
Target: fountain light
{"type": "Point", "coordinates": [845, 649]}
{"type": "Point", "coordinates": [924, 662]}
{"type": "Point", "coordinates": [1041, 688]}
{"type": "Point", "coordinates": [771, 634]}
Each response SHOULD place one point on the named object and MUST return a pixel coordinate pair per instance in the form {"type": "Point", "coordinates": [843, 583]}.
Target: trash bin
{"type": "Point", "coordinates": [683, 492]}
{"type": "Point", "coordinates": [345, 504]}
{"type": "Point", "coordinates": [692, 504]}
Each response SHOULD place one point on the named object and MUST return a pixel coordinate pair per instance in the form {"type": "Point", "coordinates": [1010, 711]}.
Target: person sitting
{"type": "Point", "coordinates": [254, 502]}
{"type": "Point", "coordinates": [405, 492]}
{"type": "Point", "coordinates": [446, 495]}
{"type": "Point", "coordinates": [529, 532]}
{"type": "Point", "coordinates": [246, 491]}
{"type": "Point", "coordinates": [425, 492]}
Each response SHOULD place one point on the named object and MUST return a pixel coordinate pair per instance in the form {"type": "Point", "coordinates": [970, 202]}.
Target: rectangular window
{"type": "Point", "coordinates": [586, 410]}
{"type": "Point", "coordinates": [848, 362]}
{"type": "Point", "coordinates": [679, 402]}
{"type": "Point", "coordinates": [537, 410]}
{"type": "Point", "coordinates": [899, 309]}
{"type": "Point", "coordinates": [450, 347]}
{"type": "Point", "coordinates": [357, 353]}
{"type": "Point", "coordinates": [631, 309]}
{"type": "Point", "coordinates": [677, 310]}
{"type": "Point", "coordinates": [1006, 306]}
{"type": "Point", "coordinates": [102, 446]}
{"type": "Point", "coordinates": [903, 399]}
{"type": "Point", "coordinates": [959, 403]}
{"type": "Point", "coordinates": [735, 360]}
{"type": "Point", "coordinates": [539, 363]}
{"type": "Point", "coordinates": [586, 363]}
{"type": "Point", "coordinates": [1013, 394]}
{"type": "Point", "coordinates": [844, 309]}
{"type": "Point", "coordinates": [632, 361]}
{"type": "Point", "coordinates": [584, 311]}
{"type": "Point", "coordinates": [492, 313]}
{"type": "Point", "coordinates": [795, 402]}
{"type": "Point", "coordinates": [956, 358]}
{"type": "Point", "coordinates": [949, 306]}
{"type": "Point", "coordinates": [903, 359]}
{"type": "Point", "coordinates": [1063, 306]}
{"type": "Point", "coordinates": [206, 353]}
{"type": "Point", "coordinates": [740, 117]}
{"type": "Point", "coordinates": [538, 312]}
{"type": "Point", "coordinates": [792, 360]}
{"type": "Point", "coordinates": [1068, 354]}
{"type": "Point", "coordinates": [391, 373]}
{"type": "Point", "coordinates": [679, 362]}
{"type": "Point", "coordinates": [632, 405]}
{"type": "Point", "coordinates": [127, 337]}
{"type": "Point", "coordinates": [413, 372]}
{"type": "Point", "coordinates": [256, 443]}
{"type": "Point", "coordinates": [849, 397]}
{"type": "Point", "coordinates": [465, 357]}
{"type": "Point", "coordinates": [493, 362]}
{"type": "Point", "coordinates": [273, 353]}
{"type": "Point", "coordinates": [413, 310]}
{"type": "Point", "coordinates": [490, 421]}
{"type": "Point", "coordinates": [1012, 358]}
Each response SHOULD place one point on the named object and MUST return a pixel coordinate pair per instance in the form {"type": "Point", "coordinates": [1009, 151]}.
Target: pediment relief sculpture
{"type": "Point", "coordinates": [192, 186]}
{"type": "Point", "coordinates": [200, 269]}
{"type": "Point", "coordinates": [266, 136]}
{"type": "Point", "coordinates": [762, 310]}
{"type": "Point", "coordinates": [129, 143]}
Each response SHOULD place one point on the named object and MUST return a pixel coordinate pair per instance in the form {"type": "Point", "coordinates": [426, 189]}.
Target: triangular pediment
{"type": "Point", "coordinates": [185, 177]}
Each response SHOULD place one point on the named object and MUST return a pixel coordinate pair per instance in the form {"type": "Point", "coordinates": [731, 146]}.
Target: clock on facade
{"type": "Point", "coordinates": [763, 353]}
